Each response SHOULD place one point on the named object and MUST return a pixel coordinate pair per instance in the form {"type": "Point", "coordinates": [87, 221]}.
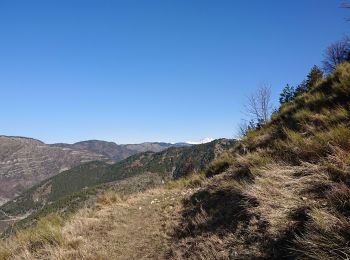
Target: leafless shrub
{"type": "Point", "coordinates": [259, 105]}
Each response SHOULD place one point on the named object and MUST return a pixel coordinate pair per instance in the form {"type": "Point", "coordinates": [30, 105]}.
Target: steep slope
{"type": "Point", "coordinates": [65, 189]}
{"type": "Point", "coordinates": [286, 192]}
{"type": "Point", "coordinates": [25, 162]}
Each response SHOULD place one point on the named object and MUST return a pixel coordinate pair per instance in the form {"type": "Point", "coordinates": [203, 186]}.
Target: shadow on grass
{"type": "Point", "coordinates": [216, 212]}
{"type": "Point", "coordinates": [224, 213]}
{"type": "Point", "coordinates": [283, 247]}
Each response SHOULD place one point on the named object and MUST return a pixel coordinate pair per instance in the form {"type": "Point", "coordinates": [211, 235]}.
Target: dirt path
{"type": "Point", "coordinates": [133, 229]}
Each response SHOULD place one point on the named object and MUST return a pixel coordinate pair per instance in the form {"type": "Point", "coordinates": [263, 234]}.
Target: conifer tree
{"type": "Point", "coordinates": [312, 78]}
{"type": "Point", "coordinates": [287, 94]}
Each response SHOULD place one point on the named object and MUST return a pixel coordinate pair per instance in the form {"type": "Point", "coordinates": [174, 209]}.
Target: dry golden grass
{"type": "Point", "coordinates": [108, 197]}
{"type": "Point", "coordinates": [220, 165]}
{"type": "Point", "coordinates": [192, 180]}
{"type": "Point", "coordinates": [33, 242]}
{"type": "Point", "coordinates": [134, 228]}
{"type": "Point", "coordinates": [281, 190]}
{"type": "Point", "coordinates": [267, 210]}
{"type": "Point", "coordinates": [326, 236]}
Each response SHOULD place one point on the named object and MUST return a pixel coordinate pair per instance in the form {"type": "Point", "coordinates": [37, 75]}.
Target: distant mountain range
{"type": "Point", "coordinates": [25, 162]}
{"type": "Point", "coordinates": [115, 151]}
{"type": "Point", "coordinates": [69, 189]}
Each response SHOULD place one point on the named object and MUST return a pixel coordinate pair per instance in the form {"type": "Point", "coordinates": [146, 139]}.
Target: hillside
{"type": "Point", "coordinates": [282, 192]}
{"type": "Point", "coordinates": [77, 184]}
{"type": "Point", "coordinates": [109, 149]}
{"type": "Point", "coordinates": [25, 162]}
{"type": "Point", "coordinates": [286, 193]}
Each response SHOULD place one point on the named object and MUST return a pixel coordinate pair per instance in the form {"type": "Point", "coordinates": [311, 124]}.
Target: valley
{"type": "Point", "coordinates": [25, 162]}
{"type": "Point", "coordinates": [68, 190]}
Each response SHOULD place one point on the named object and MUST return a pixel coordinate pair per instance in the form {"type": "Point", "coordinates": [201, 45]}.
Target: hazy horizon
{"type": "Point", "coordinates": [193, 142]}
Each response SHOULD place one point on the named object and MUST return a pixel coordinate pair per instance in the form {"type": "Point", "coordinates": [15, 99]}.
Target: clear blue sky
{"type": "Point", "coordinates": [133, 71]}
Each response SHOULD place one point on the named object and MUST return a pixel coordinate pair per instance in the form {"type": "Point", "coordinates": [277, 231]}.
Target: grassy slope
{"type": "Point", "coordinates": [289, 197]}
{"type": "Point", "coordinates": [68, 190]}
{"type": "Point", "coordinates": [113, 228]}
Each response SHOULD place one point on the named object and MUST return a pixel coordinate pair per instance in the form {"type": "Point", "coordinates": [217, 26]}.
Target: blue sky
{"type": "Point", "coordinates": [134, 71]}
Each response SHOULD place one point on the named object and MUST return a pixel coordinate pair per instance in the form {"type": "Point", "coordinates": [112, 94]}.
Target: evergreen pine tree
{"type": "Point", "coordinates": [287, 94]}
{"type": "Point", "coordinates": [312, 78]}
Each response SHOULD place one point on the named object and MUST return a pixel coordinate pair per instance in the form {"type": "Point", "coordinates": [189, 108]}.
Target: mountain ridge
{"type": "Point", "coordinates": [25, 161]}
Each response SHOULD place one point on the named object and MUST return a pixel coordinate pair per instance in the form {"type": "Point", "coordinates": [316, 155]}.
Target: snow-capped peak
{"type": "Point", "coordinates": [203, 141]}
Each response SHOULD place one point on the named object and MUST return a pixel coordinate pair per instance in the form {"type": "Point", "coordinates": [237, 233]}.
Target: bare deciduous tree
{"type": "Point", "coordinates": [337, 53]}
{"type": "Point", "coordinates": [259, 104]}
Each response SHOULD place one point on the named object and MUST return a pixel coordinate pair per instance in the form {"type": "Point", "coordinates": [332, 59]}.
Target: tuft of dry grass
{"type": "Point", "coordinates": [326, 236]}
{"type": "Point", "coordinates": [312, 145]}
{"type": "Point", "coordinates": [341, 79]}
{"type": "Point", "coordinates": [259, 137]}
{"type": "Point", "coordinates": [29, 243]}
{"type": "Point", "coordinates": [109, 197]}
{"type": "Point", "coordinates": [339, 199]}
{"type": "Point", "coordinates": [192, 180]}
{"type": "Point", "coordinates": [220, 165]}
{"type": "Point", "coordinates": [337, 164]}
